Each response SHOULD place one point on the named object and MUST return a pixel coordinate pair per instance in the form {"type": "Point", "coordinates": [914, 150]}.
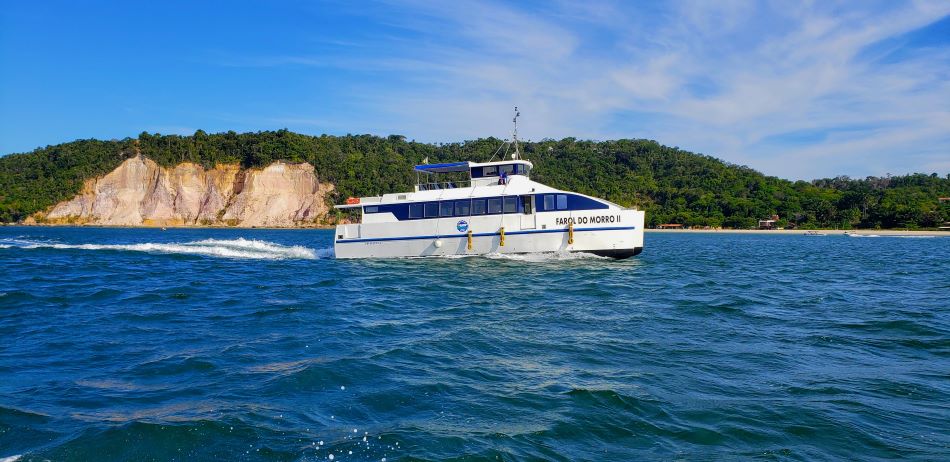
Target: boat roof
{"type": "Point", "coordinates": [465, 166]}
{"type": "Point", "coordinates": [444, 168]}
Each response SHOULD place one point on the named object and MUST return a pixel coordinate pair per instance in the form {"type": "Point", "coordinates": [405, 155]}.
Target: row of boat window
{"type": "Point", "coordinates": [496, 170]}
{"type": "Point", "coordinates": [467, 207]}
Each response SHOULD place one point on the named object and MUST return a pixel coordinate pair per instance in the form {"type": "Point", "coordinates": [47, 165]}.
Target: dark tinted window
{"type": "Point", "coordinates": [494, 205]}
{"type": "Point", "coordinates": [462, 207]}
{"type": "Point", "coordinates": [511, 204]}
{"type": "Point", "coordinates": [446, 209]}
{"type": "Point", "coordinates": [415, 210]}
{"type": "Point", "coordinates": [478, 206]}
{"type": "Point", "coordinates": [549, 202]}
{"type": "Point", "coordinates": [508, 169]}
{"type": "Point", "coordinates": [561, 202]}
{"type": "Point", "coordinates": [432, 209]}
{"type": "Point", "coordinates": [490, 171]}
{"type": "Point", "coordinates": [372, 209]}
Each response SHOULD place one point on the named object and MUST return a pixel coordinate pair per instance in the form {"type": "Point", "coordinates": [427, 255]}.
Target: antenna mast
{"type": "Point", "coordinates": [514, 136]}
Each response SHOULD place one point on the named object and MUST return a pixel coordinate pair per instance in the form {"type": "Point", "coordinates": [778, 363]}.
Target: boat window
{"type": "Point", "coordinates": [494, 205]}
{"type": "Point", "coordinates": [549, 202]}
{"type": "Point", "coordinates": [446, 209]}
{"type": "Point", "coordinates": [506, 169]}
{"type": "Point", "coordinates": [462, 208]}
{"type": "Point", "coordinates": [490, 171]}
{"type": "Point", "coordinates": [372, 209]}
{"type": "Point", "coordinates": [511, 204]}
{"type": "Point", "coordinates": [526, 200]}
{"type": "Point", "coordinates": [562, 202]}
{"type": "Point", "coordinates": [478, 206]}
{"type": "Point", "coordinates": [432, 209]}
{"type": "Point", "coordinates": [415, 210]}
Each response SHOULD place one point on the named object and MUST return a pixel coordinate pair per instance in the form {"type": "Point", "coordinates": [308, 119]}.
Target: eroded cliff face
{"type": "Point", "coordinates": [141, 193]}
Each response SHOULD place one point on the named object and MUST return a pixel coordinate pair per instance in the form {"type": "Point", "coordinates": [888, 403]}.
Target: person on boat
{"type": "Point", "coordinates": [503, 178]}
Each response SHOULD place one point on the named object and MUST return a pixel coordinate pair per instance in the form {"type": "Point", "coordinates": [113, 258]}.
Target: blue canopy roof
{"type": "Point", "coordinates": [443, 168]}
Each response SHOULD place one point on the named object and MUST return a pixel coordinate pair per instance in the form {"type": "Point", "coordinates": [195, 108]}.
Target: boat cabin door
{"type": "Point", "coordinates": [528, 218]}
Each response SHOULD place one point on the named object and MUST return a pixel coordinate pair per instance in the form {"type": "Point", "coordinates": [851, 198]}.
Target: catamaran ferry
{"type": "Point", "coordinates": [497, 209]}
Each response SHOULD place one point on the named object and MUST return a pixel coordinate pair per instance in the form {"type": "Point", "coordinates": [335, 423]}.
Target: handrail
{"type": "Point", "coordinates": [444, 185]}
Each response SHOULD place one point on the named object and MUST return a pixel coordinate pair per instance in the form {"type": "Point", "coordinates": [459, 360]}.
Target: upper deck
{"type": "Point", "coordinates": [479, 173]}
{"type": "Point", "coordinates": [484, 178]}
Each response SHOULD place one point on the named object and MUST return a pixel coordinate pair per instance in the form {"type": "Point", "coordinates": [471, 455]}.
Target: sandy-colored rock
{"type": "Point", "coordinates": [280, 193]}
{"type": "Point", "coordinates": [141, 193]}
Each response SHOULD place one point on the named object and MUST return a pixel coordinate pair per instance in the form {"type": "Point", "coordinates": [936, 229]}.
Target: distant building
{"type": "Point", "coordinates": [944, 199]}
{"type": "Point", "coordinates": [768, 224]}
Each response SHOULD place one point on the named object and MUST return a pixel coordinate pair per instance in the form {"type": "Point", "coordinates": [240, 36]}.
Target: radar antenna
{"type": "Point", "coordinates": [514, 136]}
{"type": "Point", "coordinates": [508, 143]}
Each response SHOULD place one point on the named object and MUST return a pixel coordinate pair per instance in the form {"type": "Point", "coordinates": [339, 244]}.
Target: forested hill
{"type": "Point", "coordinates": [674, 186]}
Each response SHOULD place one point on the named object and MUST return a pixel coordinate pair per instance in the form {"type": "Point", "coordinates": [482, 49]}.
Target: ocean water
{"type": "Point", "coordinates": [139, 344]}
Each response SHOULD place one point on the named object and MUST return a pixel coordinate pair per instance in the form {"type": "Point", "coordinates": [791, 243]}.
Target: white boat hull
{"type": "Point", "coordinates": [613, 233]}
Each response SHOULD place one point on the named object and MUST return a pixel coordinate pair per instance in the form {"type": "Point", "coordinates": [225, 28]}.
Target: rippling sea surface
{"type": "Point", "coordinates": [138, 344]}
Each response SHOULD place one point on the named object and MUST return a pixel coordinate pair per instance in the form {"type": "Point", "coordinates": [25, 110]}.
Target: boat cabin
{"type": "Point", "coordinates": [452, 175]}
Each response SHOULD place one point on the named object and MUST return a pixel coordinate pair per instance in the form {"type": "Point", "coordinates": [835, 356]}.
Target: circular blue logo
{"type": "Point", "coordinates": [462, 226]}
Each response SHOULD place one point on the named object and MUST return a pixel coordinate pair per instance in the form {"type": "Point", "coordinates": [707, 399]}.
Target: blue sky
{"type": "Point", "coordinates": [795, 89]}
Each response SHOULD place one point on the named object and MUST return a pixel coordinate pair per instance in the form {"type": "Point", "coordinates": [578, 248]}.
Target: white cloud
{"type": "Point", "coordinates": [791, 89]}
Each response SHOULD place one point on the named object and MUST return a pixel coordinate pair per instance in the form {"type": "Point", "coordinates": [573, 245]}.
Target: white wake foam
{"type": "Point", "coordinates": [546, 256]}
{"type": "Point", "coordinates": [538, 257]}
{"type": "Point", "coordinates": [227, 248]}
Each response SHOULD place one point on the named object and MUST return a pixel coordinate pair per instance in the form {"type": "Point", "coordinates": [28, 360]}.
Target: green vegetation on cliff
{"type": "Point", "coordinates": [35, 181]}
{"type": "Point", "coordinates": [674, 186]}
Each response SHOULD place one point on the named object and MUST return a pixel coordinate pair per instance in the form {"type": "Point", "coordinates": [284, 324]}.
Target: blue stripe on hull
{"type": "Point", "coordinates": [462, 236]}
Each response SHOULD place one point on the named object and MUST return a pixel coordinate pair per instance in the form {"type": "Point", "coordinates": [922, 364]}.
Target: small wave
{"type": "Point", "coordinates": [545, 256]}
{"type": "Point", "coordinates": [326, 253]}
{"type": "Point", "coordinates": [227, 248]}
{"type": "Point", "coordinates": [10, 458]}
{"type": "Point", "coordinates": [17, 242]}
{"type": "Point", "coordinates": [538, 257]}
{"type": "Point", "coordinates": [864, 235]}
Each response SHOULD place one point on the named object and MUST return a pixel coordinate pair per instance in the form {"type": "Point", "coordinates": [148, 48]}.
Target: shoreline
{"type": "Point", "coordinates": [791, 232]}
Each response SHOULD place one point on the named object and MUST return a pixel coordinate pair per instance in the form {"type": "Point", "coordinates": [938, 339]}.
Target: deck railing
{"type": "Point", "coordinates": [444, 185]}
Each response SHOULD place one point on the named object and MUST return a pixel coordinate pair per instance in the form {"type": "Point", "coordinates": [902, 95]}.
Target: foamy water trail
{"type": "Point", "coordinates": [546, 256]}
{"type": "Point", "coordinates": [539, 257]}
{"type": "Point", "coordinates": [226, 248]}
